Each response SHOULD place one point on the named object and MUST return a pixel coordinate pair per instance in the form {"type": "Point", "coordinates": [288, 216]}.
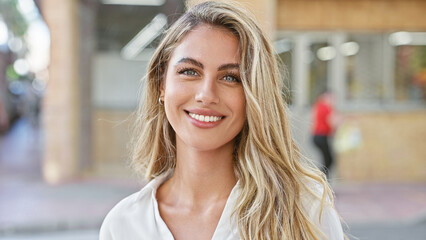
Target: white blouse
{"type": "Point", "coordinates": [137, 218]}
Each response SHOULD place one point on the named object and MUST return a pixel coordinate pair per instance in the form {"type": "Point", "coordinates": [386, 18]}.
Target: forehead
{"type": "Point", "coordinates": [208, 43]}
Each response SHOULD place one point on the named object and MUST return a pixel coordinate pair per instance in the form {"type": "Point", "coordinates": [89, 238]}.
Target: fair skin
{"type": "Point", "coordinates": [205, 104]}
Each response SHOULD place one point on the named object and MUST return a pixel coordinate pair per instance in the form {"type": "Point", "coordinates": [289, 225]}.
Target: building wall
{"type": "Point", "coordinates": [372, 15]}
{"type": "Point", "coordinates": [111, 130]}
{"type": "Point", "coordinates": [116, 84]}
{"type": "Point", "coordinates": [115, 81]}
{"type": "Point", "coordinates": [392, 148]}
{"type": "Point", "coordinates": [393, 140]}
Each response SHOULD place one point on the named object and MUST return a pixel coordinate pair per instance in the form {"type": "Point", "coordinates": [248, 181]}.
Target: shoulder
{"type": "Point", "coordinates": [134, 210]}
{"type": "Point", "coordinates": [321, 213]}
{"type": "Point", "coordinates": [125, 206]}
{"type": "Point", "coordinates": [119, 215]}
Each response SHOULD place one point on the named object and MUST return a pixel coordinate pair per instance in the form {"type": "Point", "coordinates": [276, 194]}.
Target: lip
{"type": "Point", "coordinates": [204, 112]}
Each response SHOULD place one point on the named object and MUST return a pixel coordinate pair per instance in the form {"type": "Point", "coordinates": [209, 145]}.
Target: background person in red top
{"type": "Point", "coordinates": [323, 121]}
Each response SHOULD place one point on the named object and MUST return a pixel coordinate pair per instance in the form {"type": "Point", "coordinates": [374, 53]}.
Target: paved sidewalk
{"type": "Point", "coordinates": [82, 234]}
{"type": "Point", "coordinates": [27, 207]}
{"type": "Point", "coordinates": [370, 203]}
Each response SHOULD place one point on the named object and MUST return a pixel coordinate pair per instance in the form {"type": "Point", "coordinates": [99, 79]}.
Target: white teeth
{"type": "Point", "coordinates": [203, 118]}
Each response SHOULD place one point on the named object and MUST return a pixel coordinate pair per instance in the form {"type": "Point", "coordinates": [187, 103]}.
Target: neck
{"type": "Point", "coordinates": [201, 177]}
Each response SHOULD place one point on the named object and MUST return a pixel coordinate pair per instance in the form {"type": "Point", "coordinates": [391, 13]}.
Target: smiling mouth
{"type": "Point", "coordinates": [204, 118]}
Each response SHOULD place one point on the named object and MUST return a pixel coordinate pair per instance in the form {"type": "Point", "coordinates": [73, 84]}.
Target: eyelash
{"type": "Point", "coordinates": [236, 78]}
{"type": "Point", "coordinates": [185, 71]}
{"type": "Point", "coordinates": [182, 71]}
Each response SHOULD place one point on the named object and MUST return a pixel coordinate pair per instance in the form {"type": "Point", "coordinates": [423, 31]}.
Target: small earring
{"type": "Point", "coordinates": [160, 101]}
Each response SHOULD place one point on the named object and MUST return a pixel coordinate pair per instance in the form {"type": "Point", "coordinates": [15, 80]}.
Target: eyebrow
{"type": "Point", "coordinates": [200, 65]}
{"type": "Point", "coordinates": [228, 66]}
{"type": "Point", "coordinates": [190, 61]}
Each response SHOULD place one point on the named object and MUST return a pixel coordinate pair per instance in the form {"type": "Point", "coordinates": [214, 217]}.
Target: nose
{"type": "Point", "coordinates": [207, 92]}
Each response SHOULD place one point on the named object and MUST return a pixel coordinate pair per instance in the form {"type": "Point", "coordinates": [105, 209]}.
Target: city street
{"type": "Point", "coordinates": [413, 231]}
{"type": "Point", "coordinates": [66, 235]}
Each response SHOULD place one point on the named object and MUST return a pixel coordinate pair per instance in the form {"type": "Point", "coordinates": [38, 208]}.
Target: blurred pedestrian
{"type": "Point", "coordinates": [324, 121]}
{"type": "Point", "coordinates": [214, 139]}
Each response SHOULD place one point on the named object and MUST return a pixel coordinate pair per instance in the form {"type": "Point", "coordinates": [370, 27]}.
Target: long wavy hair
{"type": "Point", "coordinates": [271, 170]}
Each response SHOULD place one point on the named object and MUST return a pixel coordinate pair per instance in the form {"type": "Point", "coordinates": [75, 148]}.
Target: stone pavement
{"type": "Point", "coordinates": [27, 207]}
{"type": "Point", "coordinates": [369, 203]}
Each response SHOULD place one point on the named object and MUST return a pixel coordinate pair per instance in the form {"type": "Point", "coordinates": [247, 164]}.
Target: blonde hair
{"type": "Point", "coordinates": [270, 168]}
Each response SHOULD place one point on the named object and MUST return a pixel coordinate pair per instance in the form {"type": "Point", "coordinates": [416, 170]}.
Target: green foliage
{"type": "Point", "coordinates": [13, 17]}
{"type": "Point", "coordinates": [11, 74]}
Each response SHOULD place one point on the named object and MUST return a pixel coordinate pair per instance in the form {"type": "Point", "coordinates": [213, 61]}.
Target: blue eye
{"type": "Point", "coordinates": [188, 72]}
{"type": "Point", "coordinates": [231, 78]}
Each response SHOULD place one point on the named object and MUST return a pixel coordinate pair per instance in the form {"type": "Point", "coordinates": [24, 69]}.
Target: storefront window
{"type": "Point", "coordinates": [364, 69]}
{"type": "Point", "coordinates": [285, 58]}
{"type": "Point", "coordinates": [319, 56]}
{"type": "Point", "coordinates": [284, 48]}
{"type": "Point", "coordinates": [367, 70]}
{"type": "Point", "coordinates": [410, 73]}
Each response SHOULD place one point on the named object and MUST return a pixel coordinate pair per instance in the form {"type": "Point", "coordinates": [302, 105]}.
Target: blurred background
{"type": "Point", "coordinates": [69, 80]}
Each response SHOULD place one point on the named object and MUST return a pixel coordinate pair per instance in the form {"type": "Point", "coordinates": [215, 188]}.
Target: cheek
{"type": "Point", "coordinates": [174, 95]}
{"type": "Point", "coordinates": [241, 99]}
{"type": "Point", "coordinates": [239, 104]}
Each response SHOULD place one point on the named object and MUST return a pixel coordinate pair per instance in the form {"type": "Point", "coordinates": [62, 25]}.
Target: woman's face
{"type": "Point", "coordinates": [203, 95]}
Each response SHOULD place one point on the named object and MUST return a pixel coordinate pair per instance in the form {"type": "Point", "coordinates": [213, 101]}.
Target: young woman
{"type": "Point", "coordinates": [214, 139]}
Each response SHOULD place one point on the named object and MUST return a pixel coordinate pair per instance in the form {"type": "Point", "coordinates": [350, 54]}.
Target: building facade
{"type": "Point", "coordinates": [371, 53]}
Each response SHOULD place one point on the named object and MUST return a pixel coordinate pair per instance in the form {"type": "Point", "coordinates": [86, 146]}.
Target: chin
{"type": "Point", "coordinates": [205, 145]}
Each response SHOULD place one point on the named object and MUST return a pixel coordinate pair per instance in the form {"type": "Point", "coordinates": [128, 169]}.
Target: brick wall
{"type": "Point", "coordinates": [393, 148]}
{"type": "Point", "coordinates": [376, 15]}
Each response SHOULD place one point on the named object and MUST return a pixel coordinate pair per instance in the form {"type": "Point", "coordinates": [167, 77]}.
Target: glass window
{"type": "Point", "coordinates": [369, 70]}
{"type": "Point", "coordinates": [319, 56]}
{"type": "Point", "coordinates": [410, 73]}
{"type": "Point", "coordinates": [364, 69]}
{"type": "Point", "coordinates": [285, 58]}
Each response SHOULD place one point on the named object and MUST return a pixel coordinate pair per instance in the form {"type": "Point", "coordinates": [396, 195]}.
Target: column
{"type": "Point", "coordinates": [337, 69]}
{"type": "Point", "coordinates": [61, 102]}
{"type": "Point", "coordinates": [300, 71]}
